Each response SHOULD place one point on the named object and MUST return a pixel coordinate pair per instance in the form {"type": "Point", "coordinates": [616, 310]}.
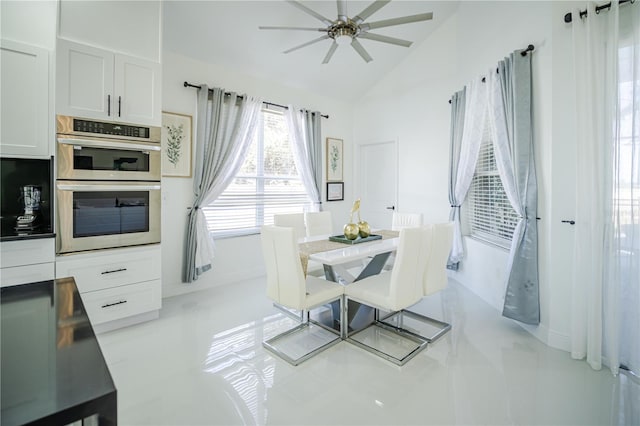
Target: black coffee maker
{"type": "Point", "coordinates": [30, 198]}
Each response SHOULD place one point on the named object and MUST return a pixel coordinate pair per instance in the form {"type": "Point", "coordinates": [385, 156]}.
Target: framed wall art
{"type": "Point", "coordinates": [334, 160]}
{"type": "Point", "coordinates": [176, 144]}
{"type": "Point", "coordinates": [335, 191]}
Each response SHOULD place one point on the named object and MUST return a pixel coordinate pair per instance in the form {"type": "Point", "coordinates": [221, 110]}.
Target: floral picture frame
{"type": "Point", "coordinates": [176, 144]}
{"type": "Point", "coordinates": [335, 160]}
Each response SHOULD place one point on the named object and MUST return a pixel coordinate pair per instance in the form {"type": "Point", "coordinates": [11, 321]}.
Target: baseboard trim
{"type": "Point", "coordinates": [209, 280]}
{"type": "Point", "coordinates": [549, 337]}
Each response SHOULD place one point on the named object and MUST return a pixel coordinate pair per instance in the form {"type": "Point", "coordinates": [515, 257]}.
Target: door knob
{"type": "Point", "coordinates": [391, 208]}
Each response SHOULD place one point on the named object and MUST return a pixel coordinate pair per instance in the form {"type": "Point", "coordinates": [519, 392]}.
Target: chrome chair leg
{"type": "Point", "coordinates": [442, 326]}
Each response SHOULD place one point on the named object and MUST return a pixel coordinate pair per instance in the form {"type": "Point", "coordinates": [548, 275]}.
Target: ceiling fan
{"type": "Point", "coordinates": [345, 30]}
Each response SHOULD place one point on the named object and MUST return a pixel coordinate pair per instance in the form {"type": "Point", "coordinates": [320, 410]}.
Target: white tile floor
{"type": "Point", "coordinates": [202, 363]}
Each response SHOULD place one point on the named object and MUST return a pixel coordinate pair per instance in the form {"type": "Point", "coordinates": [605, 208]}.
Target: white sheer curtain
{"type": "Point", "coordinates": [304, 130]}
{"type": "Point", "coordinates": [474, 119]}
{"type": "Point", "coordinates": [606, 288]}
{"type": "Point", "coordinates": [226, 125]}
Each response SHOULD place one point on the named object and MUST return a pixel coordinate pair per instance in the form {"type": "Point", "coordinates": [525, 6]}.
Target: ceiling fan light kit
{"type": "Point", "coordinates": [345, 30]}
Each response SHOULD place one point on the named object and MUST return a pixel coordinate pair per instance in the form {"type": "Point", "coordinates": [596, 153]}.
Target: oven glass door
{"type": "Point", "coordinates": [101, 159]}
{"type": "Point", "coordinates": [97, 215]}
{"type": "Point", "coordinates": [110, 213]}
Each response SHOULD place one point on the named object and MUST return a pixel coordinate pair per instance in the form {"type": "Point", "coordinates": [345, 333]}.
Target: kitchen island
{"type": "Point", "coordinates": [53, 370]}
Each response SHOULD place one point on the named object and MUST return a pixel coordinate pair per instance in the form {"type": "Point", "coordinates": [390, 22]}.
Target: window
{"type": "Point", "coordinates": [266, 184]}
{"type": "Point", "coordinates": [490, 216]}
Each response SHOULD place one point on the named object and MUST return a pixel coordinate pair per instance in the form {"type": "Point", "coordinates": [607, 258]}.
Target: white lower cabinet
{"type": "Point", "coordinates": [121, 302]}
{"type": "Point", "coordinates": [26, 261]}
{"type": "Point", "coordinates": [118, 287]}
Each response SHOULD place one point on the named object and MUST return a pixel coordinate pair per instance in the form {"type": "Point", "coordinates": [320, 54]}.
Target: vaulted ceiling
{"type": "Point", "coordinates": [226, 33]}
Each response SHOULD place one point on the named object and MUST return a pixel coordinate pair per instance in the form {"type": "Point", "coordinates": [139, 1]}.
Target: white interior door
{"type": "Point", "coordinates": [377, 167]}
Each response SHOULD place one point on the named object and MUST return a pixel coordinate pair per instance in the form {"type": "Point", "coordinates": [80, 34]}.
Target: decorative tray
{"type": "Point", "coordinates": [345, 240]}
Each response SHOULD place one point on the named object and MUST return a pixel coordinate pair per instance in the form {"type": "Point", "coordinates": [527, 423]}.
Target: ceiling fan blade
{"type": "Point", "coordinates": [292, 28]}
{"type": "Point", "coordinates": [385, 39]}
{"type": "Point", "coordinates": [397, 21]}
{"type": "Point", "coordinates": [332, 49]}
{"type": "Point", "coordinates": [361, 50]}
{"type": "Point", "coordinates": [315, 40]}
{"type": "Point", "coordinates": [342, 10]}
{"type": "Point", "coordinates": [310, 12]}
{"type": "Point", "coordinates": [370, 10]}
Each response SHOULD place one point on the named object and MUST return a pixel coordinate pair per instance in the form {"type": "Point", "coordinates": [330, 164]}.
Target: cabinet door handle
{"type": "Point", "coordinates": [108, 305]}
{"type": "Point", "coordinates": [391, 208]}
{"type": "Point", "coordinates": [109, 105]}
{"type": "Point", "coordinates": [119, 105]}
{"type": "Point", "coordinates": [112, 271]}
{"type": "Point", "coordinates": [570, 222]}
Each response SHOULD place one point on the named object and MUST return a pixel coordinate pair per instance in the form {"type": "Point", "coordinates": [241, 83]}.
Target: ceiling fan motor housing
{"type": "Point", "coordinates": [341, 29]}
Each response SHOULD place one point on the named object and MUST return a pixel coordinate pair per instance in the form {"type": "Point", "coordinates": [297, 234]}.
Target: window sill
{"type": "Point", "coordinates": [234, 234]}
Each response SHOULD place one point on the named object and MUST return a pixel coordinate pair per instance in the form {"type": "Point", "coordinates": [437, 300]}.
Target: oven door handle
{"type": "Point", "coordinates": [107, 187]}
{"type": "Point", "coordinates": [128, 146]}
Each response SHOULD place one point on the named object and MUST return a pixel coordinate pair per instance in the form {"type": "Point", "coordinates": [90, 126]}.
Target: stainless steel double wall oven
{"type": "Point", "coordinates": [108, 184]}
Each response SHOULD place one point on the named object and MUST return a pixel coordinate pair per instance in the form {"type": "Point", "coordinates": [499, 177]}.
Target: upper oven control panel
{"type": "Point", "coordinates": [103, 128]}
{"type": "Point", "coordinates": [74, 126]}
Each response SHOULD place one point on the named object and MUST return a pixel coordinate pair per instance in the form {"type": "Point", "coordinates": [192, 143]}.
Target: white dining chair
{"type": "Point", "coordinates": [435, 280]}
{"type": "Point", "coordinates": [287, 286]}
{"type": "Point", "coordinates": [292, 220]}
{"type": "Point", "coordinates": [405, 220]}
{"type": "Point", "coordinates": [400, 221]}
{"type": "Point", "coordinates": [318, 223]}
{"type": "Point", "coordinates": [392, 292]}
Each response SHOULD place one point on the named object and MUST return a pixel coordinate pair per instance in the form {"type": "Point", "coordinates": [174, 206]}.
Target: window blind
{"type": "Point", "coordinates": [490, 216]}
{"type": "Point", "coordinates": [267, 184]}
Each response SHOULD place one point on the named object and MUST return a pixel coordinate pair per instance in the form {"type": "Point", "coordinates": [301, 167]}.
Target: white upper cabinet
{"type": "Point", "coordinates": [84, 81]}
{"type": "Point", "coordinates": [24, 71]}
{"type": "Point", "coordinates": [137, 86]}
{"type": "Point", "coordinates": [97, 83]}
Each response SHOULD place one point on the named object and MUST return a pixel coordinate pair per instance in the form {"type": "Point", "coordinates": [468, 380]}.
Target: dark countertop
{"type": "Point", "coordinates": [8, 233]}
{"type": "Point", "coordinates": [53, 370]}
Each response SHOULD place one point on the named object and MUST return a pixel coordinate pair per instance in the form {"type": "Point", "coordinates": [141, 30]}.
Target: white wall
{"type": "Point", "coordinates": [236, 258]}
{"type": "Point", "coordinates": [410, 104]}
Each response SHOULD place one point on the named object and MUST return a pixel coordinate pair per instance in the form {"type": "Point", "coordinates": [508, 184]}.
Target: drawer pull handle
{"type": "Point", "coordinates": [108, 305]}
{"type": "Point", "coordinates": [115, 270]}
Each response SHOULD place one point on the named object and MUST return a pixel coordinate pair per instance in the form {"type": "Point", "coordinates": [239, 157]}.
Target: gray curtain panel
{"type": "Point", "coordinates": [515, 160]}
{"type": "Point", "coordinates": [312, 123]}
{"type": "Point", "coordinates": [457, 126]}
{"type": "Point", "coordinates": [225, 126]}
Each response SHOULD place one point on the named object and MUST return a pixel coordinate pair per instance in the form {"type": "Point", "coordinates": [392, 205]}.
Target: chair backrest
{"type": "Point", "coordinates": [435, 277]}
{"type": "Point", "coordinates": [318, 223]}
{"type": "Point", "coordinates": [285, 279]}
{"type": "Point", "coordinates": [291, 220]}
{"type": "Point", "coordinates": [409, 267]}
{"type": "Point", "coordinates": [405, 220]}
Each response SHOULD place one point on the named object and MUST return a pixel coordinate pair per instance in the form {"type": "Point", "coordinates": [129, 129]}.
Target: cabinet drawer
{"type": "Point", "coordinates": [26, 274]}
{"type": "Point", "coordinates": [107, 269]}
{"type": "Point", "coordinates": [120, 302]}
{"type": "Point", "coordinates": [27, 252]}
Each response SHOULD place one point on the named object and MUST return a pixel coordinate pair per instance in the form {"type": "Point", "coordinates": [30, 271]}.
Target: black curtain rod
{"type": "Point", "coordinates": [186, 84]}
{"type": "Point", "coordinates": [583, 13]}
{"type": "Point", "coordinates": [529, 48]}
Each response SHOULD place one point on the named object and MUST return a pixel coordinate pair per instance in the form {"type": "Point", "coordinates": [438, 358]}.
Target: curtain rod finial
{"type": "Point", "coordinates": [186, 84]}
